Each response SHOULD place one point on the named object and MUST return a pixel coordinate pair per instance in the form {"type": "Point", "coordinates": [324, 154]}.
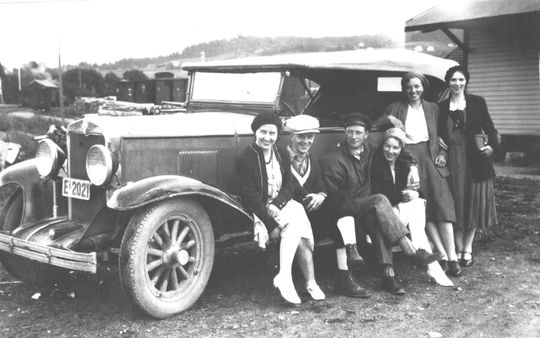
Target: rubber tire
{"type": "Point", "coordinates": [135, 279]}
{"type": "Point", "coordinates": [22, 268]}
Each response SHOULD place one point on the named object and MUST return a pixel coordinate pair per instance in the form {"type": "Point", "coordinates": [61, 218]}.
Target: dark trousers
{"type": "Point", "coordinates": [374, 216]}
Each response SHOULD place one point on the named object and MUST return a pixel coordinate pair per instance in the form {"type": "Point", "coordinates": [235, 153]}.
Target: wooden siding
{"type": "Point", "coordinates": [504, 67]}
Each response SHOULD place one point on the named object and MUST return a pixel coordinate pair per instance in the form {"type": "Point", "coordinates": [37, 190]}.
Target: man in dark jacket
{"type": "Point", "coordinates": [346, 174]}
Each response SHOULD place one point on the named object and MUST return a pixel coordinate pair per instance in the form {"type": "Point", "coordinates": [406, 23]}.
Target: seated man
{"type": "Point", "coordinates": [311, 190]}
{"type": "Point", "coordinates": [346, 174]}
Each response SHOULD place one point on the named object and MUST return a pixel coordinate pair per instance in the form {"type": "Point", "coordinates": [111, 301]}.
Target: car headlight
{"type": "Point", "coordinates": [100, 165]}
{"type": "Point", "coordinates": [49, 158]}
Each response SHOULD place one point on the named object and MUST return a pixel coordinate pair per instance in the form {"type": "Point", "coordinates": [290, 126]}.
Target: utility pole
{"type": "Point", "coordinates": [61, 86]}
{"type": "Point", "coordinates": [80, 78]}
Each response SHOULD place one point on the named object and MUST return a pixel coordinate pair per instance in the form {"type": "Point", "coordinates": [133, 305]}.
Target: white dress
{"type": "Point", "coordinates": [292, 216]}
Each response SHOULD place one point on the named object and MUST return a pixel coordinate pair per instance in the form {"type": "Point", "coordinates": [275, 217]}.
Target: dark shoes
{"type": "Point", "coordinates": [444, 265]}
{"type": "Point", "coordinates": [348, 286]}
{"type": "Point", "coordinates": [466, 262]}
{"type": "Point", "coordinates": [422, 257]}
{"type": "Point", "coordinates": [392, 285]}
{"type": "Point", "coordinates": [453, 269]}
{"type": "Point", "coordinates": [355, 262]}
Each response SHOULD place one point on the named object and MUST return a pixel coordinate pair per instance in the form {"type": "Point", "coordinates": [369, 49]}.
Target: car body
{"type": "Point", "coordinates": [155, 192]}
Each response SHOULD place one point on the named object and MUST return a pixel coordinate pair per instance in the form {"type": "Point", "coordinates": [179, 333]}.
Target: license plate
{"type": "Point", "coordinates": [75, 188]}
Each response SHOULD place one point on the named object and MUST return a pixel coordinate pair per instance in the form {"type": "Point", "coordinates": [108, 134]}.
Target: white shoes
{"type": "Point", "coordinates": [438, 275]}
{"type": "Point", "coordinates": [287, 290]}
{"type": "Point", "coordinates": [315, 291]}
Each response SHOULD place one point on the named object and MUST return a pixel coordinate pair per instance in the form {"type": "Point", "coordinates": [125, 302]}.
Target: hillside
{"type": "Point", "coordinates": [243, 46]}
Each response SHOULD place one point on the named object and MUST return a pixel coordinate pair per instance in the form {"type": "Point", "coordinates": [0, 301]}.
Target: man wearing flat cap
{"type": "Point", "coordinates": [310, 190]}
{"type": "Point", "coordinates": [346, 174]}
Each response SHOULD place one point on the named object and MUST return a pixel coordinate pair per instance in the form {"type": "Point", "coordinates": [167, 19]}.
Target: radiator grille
{"type": "Point", "coordinates": [80, 210]}
{"type": "Point", "coordinates": [199, 164]}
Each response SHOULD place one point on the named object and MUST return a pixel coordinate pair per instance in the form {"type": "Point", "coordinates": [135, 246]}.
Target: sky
{"type": "Point", "coordinates": [98, 31]}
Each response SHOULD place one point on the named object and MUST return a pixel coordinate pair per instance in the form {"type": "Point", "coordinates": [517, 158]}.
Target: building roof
{"type": "Point", "coordinates": [378, 59]}
{"type": "Point", "coordinates": [468, 11]}
{"type": "Point", "coordinates": [44, 83]}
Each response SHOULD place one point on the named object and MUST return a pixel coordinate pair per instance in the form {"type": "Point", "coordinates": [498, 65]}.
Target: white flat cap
{"type": "Point", "coordinates": [302, 124]}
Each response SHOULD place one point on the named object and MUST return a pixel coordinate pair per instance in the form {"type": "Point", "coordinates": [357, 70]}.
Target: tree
{"type": "Point", "coordinates": [134, 75]}
{"type": "Point", "coordinates": [111, 83]}
{"type": "Point", "coordinates": [82, 82]}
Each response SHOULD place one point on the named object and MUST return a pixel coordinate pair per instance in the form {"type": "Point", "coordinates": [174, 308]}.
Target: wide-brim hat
{"type": "Point", "coordinates": [302, 124]}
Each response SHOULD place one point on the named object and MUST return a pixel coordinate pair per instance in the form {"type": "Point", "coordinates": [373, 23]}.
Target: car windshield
{"type": "Point", "coordinates": [236, 87]}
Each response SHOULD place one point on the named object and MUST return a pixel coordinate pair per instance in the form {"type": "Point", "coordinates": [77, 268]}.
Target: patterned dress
{"type": "Point", "coordinates": [474, 201]}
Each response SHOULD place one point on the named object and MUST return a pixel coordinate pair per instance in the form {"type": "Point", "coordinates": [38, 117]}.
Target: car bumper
{"type": "Point", "coordinates": [63, 258]}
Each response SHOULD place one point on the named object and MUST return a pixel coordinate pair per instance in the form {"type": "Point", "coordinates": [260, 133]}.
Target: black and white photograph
{"type": "Point", "coordinates": [270, 168]}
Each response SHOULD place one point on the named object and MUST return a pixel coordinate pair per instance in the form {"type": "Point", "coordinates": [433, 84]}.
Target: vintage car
{"type": "Point", "coordinates": [153, 193]}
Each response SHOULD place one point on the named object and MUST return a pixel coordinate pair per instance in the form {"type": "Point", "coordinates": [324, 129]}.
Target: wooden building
{"type": "Point", "coordinates": [500, 42]}
{"type": "Point", "coordinates": [40, 94]}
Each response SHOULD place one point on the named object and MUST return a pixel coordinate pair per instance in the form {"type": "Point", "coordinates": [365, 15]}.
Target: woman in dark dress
{"type": "Point", "coordinates": [465, 122]}
{"type": "Point", "coordinates": [266, 186]}
{"type": "Point", "coordinates": [420, 120]}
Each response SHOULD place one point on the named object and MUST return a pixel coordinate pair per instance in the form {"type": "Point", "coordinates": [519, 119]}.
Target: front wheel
{"type": "Point", "coordinates": [166, 257]}
{"type": "Point", "coordinates": [22, 268]}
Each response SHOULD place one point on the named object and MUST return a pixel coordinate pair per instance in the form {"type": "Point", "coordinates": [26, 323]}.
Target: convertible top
{"type": "Point", "coordinates": [377, 60]}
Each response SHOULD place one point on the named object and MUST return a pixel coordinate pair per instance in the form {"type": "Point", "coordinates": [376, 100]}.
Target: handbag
{"type": "Point", "coordinates": [480, 140]}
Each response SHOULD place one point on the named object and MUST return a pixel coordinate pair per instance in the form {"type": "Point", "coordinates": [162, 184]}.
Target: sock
{"type": "Point", "coordinates": [407, 246]}
{"type": "Point", "coordinates": [347, 229]}
{"type": "Point", "coordinates": [341, 256]}
{"type": "Point", "coordinates": [388, 270]}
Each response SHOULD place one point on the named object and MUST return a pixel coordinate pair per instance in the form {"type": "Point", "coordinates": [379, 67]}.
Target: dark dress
{"type": "Point", "coordinates": [471, 173]}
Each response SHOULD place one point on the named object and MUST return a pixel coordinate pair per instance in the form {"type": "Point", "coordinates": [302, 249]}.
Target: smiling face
{"type": "Point", "coordinates": [457, 83]}
{"type": "Point", "coordinates": [391, 149]}
{"type": "Point", "coordinates": [414, 90]}
{"type": "Point", "coordinates": [355, 136]}
{"type": "Point", "coordinates": [301, 143]}
{"type": "Point", "coordinates": [266, 136]}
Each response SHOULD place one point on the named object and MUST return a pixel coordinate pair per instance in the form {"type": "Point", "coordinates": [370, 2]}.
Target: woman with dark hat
{"type": "Point", "coordinates": [420, 121]}
{"type": "Point", "coordinates": [471, 137]}
{"type": "Point", "coordinates": [266, 188]}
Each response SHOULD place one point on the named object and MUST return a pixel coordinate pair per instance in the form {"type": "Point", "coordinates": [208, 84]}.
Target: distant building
{"type": "Point", "coordinates": [500, 45]}
{"type": "Point", "coordinates": [164, 87]}
{"type": "Point", "coordinates": [40, 94]}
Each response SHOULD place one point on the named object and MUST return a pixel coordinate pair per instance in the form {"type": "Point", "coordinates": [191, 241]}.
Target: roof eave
{"type": "Point", "coordinates": [429, 27]}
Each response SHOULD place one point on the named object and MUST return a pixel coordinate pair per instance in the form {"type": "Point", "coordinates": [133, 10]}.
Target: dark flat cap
{"type": "Point", "coordinates": [357, 119]}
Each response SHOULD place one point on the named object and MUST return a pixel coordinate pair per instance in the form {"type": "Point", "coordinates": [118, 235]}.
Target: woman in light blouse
{"type": "Point", "coordinates": [420, 119]}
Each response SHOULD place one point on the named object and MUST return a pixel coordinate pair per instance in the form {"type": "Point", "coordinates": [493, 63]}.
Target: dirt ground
{"type": "Point", "coordinates": [498, 297]}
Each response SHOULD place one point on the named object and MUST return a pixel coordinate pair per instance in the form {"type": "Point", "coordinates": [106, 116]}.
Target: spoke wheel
{"type": "Point", "coordinates": [166, 257]}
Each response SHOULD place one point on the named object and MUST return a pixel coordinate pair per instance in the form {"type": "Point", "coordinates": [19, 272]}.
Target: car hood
{"type": "Point", "coordinates": [171, 125]}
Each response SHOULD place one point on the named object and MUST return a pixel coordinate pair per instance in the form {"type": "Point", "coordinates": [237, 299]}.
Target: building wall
{"type": "Point", "coordinates": [504, 64]}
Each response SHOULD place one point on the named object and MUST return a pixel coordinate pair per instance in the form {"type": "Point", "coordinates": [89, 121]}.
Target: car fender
{"type": "Point", "coordinates": [153, 189]}
{"type": "Point", "coordinates": [35, 189]}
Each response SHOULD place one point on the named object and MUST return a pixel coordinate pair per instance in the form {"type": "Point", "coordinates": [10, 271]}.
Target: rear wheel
{"type": "Point", "coordinates": [25, 269]}
{"type": "Point", "coordinates": [166, 257]}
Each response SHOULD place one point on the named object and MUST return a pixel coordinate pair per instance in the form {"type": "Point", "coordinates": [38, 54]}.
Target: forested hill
{"type": "Point", "coordinates": [248, 46]}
